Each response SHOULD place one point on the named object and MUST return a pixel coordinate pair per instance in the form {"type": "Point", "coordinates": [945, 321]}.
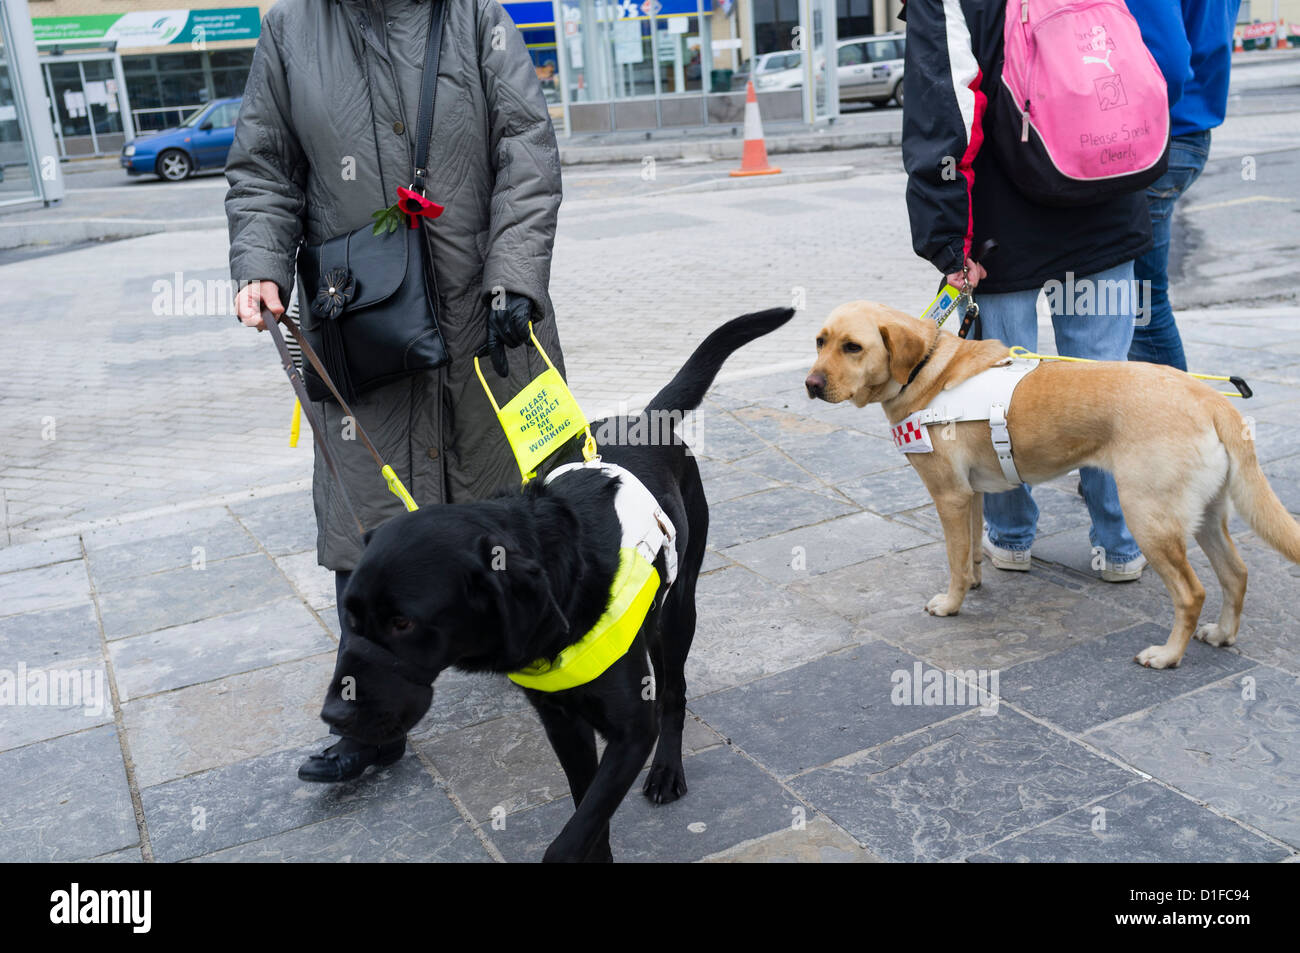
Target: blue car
{"type": "Point", "coordinates": [202, 141]}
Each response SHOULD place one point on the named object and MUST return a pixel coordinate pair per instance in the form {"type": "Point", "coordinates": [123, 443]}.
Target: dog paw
{"type": "Point", "coordinates": [943, 605]}
{"type": "Point", "coordinates": [1157, 656]}
{"type": "Point", "coordinates": [1211, 634]}
{"type": "Point", "coordinates": [665, 783]}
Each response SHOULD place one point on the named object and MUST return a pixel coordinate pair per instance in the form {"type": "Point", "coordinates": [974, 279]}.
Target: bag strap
{"type": "Point", "coordinates": [428, 91]}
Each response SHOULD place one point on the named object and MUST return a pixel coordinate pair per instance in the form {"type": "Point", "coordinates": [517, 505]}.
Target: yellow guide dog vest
{"type": "Point", "coordinates": [647, 532]}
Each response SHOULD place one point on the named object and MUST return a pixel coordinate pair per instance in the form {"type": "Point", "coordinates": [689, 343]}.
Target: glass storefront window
{"type": "Point", "coordinates": [16, 179]}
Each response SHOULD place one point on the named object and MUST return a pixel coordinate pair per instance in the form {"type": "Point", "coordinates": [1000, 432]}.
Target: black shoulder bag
{"type": "Point", "coordinates": [372, 299]}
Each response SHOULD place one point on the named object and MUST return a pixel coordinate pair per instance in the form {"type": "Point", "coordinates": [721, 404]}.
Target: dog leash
{"type": "Point", "coordinates": [317, 428]}
{"type": "Point", "coordinates": [1243, 389]}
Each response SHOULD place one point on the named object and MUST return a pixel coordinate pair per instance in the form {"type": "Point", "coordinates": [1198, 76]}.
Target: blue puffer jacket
{"type": "Point", "coordinates": [1192, 42]}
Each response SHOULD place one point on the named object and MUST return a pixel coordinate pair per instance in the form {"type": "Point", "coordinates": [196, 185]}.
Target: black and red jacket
{"type": "Point", "coordinates": [958, 195]}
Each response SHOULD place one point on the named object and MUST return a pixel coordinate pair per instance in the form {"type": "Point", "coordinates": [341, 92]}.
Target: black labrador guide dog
{"type": "Point", "coordinates": [431, 592]}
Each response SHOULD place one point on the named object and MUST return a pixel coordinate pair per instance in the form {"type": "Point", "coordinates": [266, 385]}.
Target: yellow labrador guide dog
{"type": "Point", "coordinates": [1179, 451]}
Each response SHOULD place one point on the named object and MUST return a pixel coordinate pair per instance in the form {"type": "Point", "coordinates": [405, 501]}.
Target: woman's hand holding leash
{"type": "Point", "coordinates": [252, 298]}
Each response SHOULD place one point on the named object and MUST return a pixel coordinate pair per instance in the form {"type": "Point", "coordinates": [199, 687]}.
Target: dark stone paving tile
{"type": "Point", "coordinates": [45, 638]}
{"type": "Point", "coordinates": [131, 531]}
{"type": "Point", "coordinates": [747, 629]}
{"type": "Point", "coordinates": [383, 833]}
{"type": "Point", "coordinates": [262, 797]}
{"type": "Point", "coordinates": [204, 544]}
{"type": "Point", "coordinates": [773, 465]}
{"type": "Point", "coordinates": [953, 789]}
{"type": "Point", "coordinates": [714, 560]}
{"type": "Point", "coordinates": [80, 686]}
{"type": "Point", "coordinates": [131, 855]}
{"type": "Point", "coordinates": [1268, 626]}
{"type": "Point", "coordinates": [817, 842]}
{"type": "Point", "coordinates": [1284, 476]}
{"type": "Point", "coordinates": [781, 387]}
{"type": "Point", "coordinates": [887, 492]}
{"type": "Point", "coordinates": [504, 765]}
{"type": "Point", "coordinates": [842, 455]}
{"type": "Point", "coordinates": [34, 555]}
{"type": "Point", "coordinates": [767, 513]}
{"type": "Point", "coordinates": [133, 606]}
{"type": "Point", "coordinates": [1095, 682]}
{"type": "Point", "coordinates": [820, 711]}
{"type": "Point", "coordinates": [1275, 431]}
{"type": "Point", "coordinates": [283, 524]}
{"type": "Point", "coordinates": [1012, 618]}
{"type": "Point", "coordinates": [223, 722]}
{"type": "Point", "coordinates": [65, 799]}
{"type": "Point", "coordinates": [724, 481]}
{"type": "Point", "coordinates": [1240, 755]}
{"type": "Point", "coordinates": [1142, 824]}
{"type": "Point", "coordinates": [214, 648]}
{"type": "Point", "coordinates": [814, 550]}
{"type": "Point", "coordinates": [461, 699]}
{"type": "Point", "coordinates": [729, 801]}
{"type": "Point", "coordinates": [45, 587]}
{"type": "Point", "coordinates": [722, 437]}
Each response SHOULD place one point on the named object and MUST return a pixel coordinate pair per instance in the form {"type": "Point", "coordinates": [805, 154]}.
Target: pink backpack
{"type": "Point", "coordinates": [1085, 115]}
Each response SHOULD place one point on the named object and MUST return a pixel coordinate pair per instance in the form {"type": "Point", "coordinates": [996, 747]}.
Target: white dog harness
{"type": "Point", "coordinates": [986, 396]}
{"type": "Point", "coordinates": [646, 532]}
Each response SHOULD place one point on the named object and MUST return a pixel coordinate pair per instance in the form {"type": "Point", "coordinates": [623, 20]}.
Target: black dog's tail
{"type": "Point", "coordinates": [687, 388]}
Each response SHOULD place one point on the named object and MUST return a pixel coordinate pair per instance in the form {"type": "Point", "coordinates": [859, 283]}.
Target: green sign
{"type": "Point", "coordinates": [151, 27]}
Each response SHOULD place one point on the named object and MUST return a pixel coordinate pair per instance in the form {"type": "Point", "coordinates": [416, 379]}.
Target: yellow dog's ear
{"type": "Point", "coordinates": [905, 346]}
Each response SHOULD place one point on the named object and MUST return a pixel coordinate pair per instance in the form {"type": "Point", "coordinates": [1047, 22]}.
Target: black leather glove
{"type": "Point", "coordinates": [507, 328]}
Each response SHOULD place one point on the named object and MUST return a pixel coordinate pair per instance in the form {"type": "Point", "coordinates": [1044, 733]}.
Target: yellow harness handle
{"type": "Point", "coordinates": [1243, 389]}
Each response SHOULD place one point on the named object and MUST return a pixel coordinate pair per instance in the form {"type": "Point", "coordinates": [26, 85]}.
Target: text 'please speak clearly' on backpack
{"type": "Point", "coordinates": [1084, 110]}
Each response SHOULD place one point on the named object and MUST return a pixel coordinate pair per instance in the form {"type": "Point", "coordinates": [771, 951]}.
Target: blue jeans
{"type": "Point", "coordinates": [1157, 339]}
{"type": "Point", "coordinates": [1012, 318]}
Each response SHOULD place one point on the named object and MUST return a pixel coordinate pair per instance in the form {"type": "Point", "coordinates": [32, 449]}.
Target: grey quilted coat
{"type": "Point", "coordinates": [325, 136]}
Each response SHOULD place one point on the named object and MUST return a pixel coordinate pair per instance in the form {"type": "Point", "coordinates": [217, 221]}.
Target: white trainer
{"type": "Point", "coordinates": [1130, 571]}
{"type": "Point", "coordinates": [1017, 560]}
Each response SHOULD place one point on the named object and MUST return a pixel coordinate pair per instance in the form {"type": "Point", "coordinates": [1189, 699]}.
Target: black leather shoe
{"type": "Point", "coordinates": [348, 759]}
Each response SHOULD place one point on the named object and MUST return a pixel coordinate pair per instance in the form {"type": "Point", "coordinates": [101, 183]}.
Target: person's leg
{"type": "Point", "coordinates": [1012, 318]}
{"type": "Point", "coordinates": [1102, 334]}
{"type": "Point", "coordinates": [1155, 336]}
{"type": "Point", "coordinates": [341, 578]}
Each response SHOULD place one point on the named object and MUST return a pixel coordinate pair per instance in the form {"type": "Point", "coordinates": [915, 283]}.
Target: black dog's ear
{"type": "Point", "coordinates": [511, 582]}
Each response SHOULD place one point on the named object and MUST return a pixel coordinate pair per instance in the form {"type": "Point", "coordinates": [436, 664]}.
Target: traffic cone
{"type": "Point", "coordinates": [1281, 35]}
{"type": "Point", "coordinates": [753, 161]}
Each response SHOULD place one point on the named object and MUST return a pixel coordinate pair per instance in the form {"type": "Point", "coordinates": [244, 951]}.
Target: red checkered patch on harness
{"type": "Point", "coordinates": [911, 437]}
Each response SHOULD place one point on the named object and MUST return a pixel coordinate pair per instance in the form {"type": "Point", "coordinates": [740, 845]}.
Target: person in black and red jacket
{"type": "Point", "coordinates": [958, 197]}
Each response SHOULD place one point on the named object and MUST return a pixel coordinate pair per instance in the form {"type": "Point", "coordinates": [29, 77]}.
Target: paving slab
{"type": "Point", "coordinates": [39, 702]}
{"type": "Point", "coordinates": [1014, 617]}
{"type": "Point", "coordinates": [41, 553]}
{"type": "Point", "coordinates": [748, 629]}
{"type": "Point", "coordinates": [217, 723]}
{"type": "Point", "coordinates": [1238, 753]}
{"type": "Point", "coordinates": [45, 637]}
{"type": "Point", "coordinates": [769, 512]}
{"type": "Point", "coordinates": [134, 606]}
{"type": "Point", "coordinates": [262, 797]}
{"type": "Point", "coordinates": [283, 524]}
{"type": "Point", "coordinates": [203, 545]}
{"type": "Point", "coordinates": [823, 710]}
{"type": "Point", "coordinates": [65, 799]}
{"type": "Point", "coordinates": [1146, 824]}
{"type": "Point", "coordinates": [1095, 682]}
{"type": "Point", "coordinates": [956, 788]}
{"type": "Point", "coordinates": [818, 842]}
{"type": "Point", "coordinates": [461, 699]}
{"type": "Point", "coordinates": [45, 587]}
{"type": "Point", "coordinates": [214, 648]}
{"type": "Point", "coordinates": [386, 832]}
{"type": "Point", "coordinates": [813, 550]}
{"type": "Point", "coordinates": [729, 801]}
{"type": "Point", "coordinates": [313, 581]}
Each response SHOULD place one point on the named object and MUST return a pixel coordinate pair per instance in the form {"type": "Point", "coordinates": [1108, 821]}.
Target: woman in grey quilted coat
{"type": "Point", "coordinates": [325, 137]}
